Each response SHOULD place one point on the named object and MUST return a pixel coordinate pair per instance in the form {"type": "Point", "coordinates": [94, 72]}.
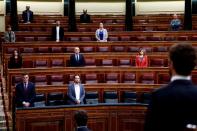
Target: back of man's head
{"type": "Point", "coordinates": [84, 11]}
{"type": "Point", "coordinates": [183, 58]}
{"type": "Point", "coordinates": [27, 7]}
{"type": "Point", "coordinates": [81, 118]}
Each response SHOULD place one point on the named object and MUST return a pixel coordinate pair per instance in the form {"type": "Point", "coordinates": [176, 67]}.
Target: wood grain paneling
{"type": "Point", "coordinates": [100, 118]}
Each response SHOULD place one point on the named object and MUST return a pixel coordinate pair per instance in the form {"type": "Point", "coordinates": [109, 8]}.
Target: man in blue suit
{"type": "Point", "coordinates": [175, 23]}
{"type": "Point", "coordinates": [25, 92]}
{"type": "Point", "coordinates": [77, 59]}
{"type": "Point", "coordinates": [27, 15]}
{"type": "Point", "coordinates": [174, 106]}
{"type": "Point", "coordinates": [76, 92]}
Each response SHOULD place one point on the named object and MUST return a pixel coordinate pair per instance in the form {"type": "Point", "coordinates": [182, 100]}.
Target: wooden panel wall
{"type": "Point", "coordinates": [101, 118]}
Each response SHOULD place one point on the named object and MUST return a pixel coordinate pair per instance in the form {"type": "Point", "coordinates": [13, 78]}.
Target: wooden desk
{"type": "Point", "coordinates": [100, 118]}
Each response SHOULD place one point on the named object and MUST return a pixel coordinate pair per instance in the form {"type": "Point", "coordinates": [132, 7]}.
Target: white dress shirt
{"type": "Point", "coordinates": [179, 77]}
{"type": "Point", "coordinates": [26, 85]}
{"type": "Point", "coordinates": [77, 91]}
{"type": "Point", "coordinates": [57, 33]}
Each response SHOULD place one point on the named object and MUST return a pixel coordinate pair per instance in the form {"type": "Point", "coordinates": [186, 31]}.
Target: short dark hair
{"type": "Point", "coordinates": [183, 58]}
{"type": "Point", "coordinates": [81, 118]}
{"type": "Point", "coordinates": [8, 26]}
{"type": "Point", "coordinates": [76, 75]}
{"type": "Point", "coordinates": [25, 73]}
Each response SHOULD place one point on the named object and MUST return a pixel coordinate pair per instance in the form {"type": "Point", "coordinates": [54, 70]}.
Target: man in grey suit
{"type": "Point", "coordinates": [76, 92]}
{"type": "Point", "coordinates": [174, 106]}
{"type": "Point", "coordinates": [9, 35]}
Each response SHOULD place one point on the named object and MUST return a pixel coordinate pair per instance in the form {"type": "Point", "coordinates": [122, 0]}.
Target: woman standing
{"type": "Point", "coordinates": [15, 60]}
{"type": "Point", "coordinates": [101, 34]}
{"type": "Point", "coordinates": [141, 59]}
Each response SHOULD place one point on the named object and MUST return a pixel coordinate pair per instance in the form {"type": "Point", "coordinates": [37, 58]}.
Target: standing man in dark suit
{"type": "Point", "coordinates": [76, 92]}
{"type": "Point", "coordinates": [27, 15]}
{"type": "Point", "coordinates": [174, 106]}
{"type": "Point", "coordinates": [57, 32]}
{"type": "Point", "coordinates": [77, 59]}
{"type": "Point", "coordinates": [85, 18]}
{"type": "Point", "coordinates": [81, 119]}
{"type": "Point", "coordinates": [25, 92]}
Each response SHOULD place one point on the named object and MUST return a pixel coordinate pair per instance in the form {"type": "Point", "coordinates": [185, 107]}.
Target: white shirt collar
{"type": "Point", "coordinates": [179, 77]}
{"type": "Point", "coordinates": [81, 127]}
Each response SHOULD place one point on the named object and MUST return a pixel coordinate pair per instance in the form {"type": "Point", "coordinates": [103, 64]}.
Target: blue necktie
{"type": "Point", "coordinates": [77, 57]}
{"type": "Point", "coordinates": [28, 16]}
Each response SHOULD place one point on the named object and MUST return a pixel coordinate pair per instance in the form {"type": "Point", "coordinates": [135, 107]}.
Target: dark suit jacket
{"type": "Point", "coordinates": [82, 129]}
{"type": "Point", "coordinates": [27, 96]}
{"type": "Point", "coordinates": [13, 63]}
{"type": "Point", "coordinates": [24, 16]}
{"type": "Point", "coordinates": [172, 107]}
{"type": "Point", "coordinates": [75, 63]}
{"type": "Point", "coordinates": [71, 94]}
{"type": "Point", "coordinates": [85, 18]}
{"type": "Point", "coordinates": [61, 33]}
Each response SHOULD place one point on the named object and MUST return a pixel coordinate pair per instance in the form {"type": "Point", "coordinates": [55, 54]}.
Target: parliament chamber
{"type": "Point", "coordinates": [117, 92]}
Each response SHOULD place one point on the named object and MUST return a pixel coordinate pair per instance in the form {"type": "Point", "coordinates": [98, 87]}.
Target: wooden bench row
{"type": "Point", "coordinates": [115, 36]}
{"type": "Point", "coordinates": [88, 47]}
{"type": "Point", "coordinates": [99, 89]}
{"type": "Point", "coordinates": [91, 27]}
{"type": "Point", "coordinates": [111, 18]}
{"type": "Point", "coordinates": [100, 118]}
{"type": "Point", "coordinates": [60, 76]}
{"type": "Point", "coordinates": [36, 60]}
